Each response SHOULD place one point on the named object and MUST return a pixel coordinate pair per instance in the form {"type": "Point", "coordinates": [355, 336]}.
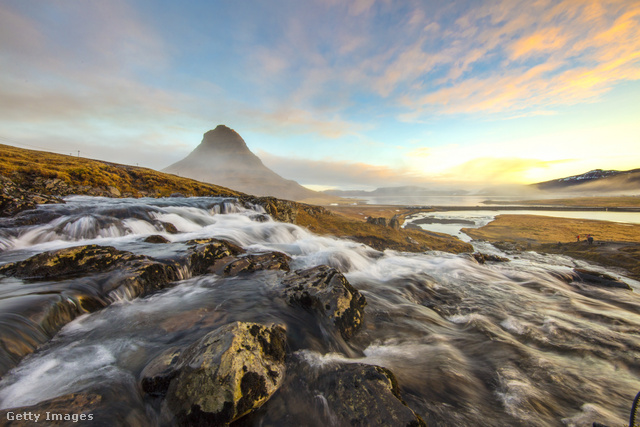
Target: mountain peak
{"type": "Point", "coordinates": [223, 139]}
{"type": "Point", "coordinates": [224, 158]}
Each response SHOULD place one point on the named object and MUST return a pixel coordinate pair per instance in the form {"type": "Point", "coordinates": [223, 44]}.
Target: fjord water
{"type": "Point", "coordinates": [470, 344]}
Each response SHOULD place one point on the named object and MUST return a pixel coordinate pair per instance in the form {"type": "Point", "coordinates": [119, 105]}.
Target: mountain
{"type": "Point", "coordinates": [223, 158]}
{"type": "Point", "coordinates": [597, 180]}
{"type": "Point", "coordinates": [407, 190]}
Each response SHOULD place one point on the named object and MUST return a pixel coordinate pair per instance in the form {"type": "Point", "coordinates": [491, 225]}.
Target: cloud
{"type": "Point", "coordinates": [580, 50]}
{"type": "Point", "coordinates": [337, 173]}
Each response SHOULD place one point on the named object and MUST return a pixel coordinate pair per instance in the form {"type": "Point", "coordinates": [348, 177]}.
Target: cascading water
{"type": "Point", "coordinates": [494, 344]}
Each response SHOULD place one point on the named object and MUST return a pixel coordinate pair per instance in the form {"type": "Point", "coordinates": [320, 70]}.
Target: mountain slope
{"type": "Point", "coordinates": [223, 158]}
{"type": "Point", "coordinates": [597, 180]}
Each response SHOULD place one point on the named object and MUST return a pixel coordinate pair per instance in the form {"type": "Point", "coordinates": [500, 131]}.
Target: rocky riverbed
{"type": "Point", "coordinates": [201, 311]}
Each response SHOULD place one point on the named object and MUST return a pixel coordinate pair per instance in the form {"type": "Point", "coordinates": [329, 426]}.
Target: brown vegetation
{"type": "Point", "coordinates": [543, 229]}
{"type": "Point", "coordinates": [615, 244]}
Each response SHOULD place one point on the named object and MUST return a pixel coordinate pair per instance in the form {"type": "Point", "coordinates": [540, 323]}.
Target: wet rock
{"type": "Point", "coordinates": [483, 258]}
{"type": "Point", "coordinates": [226, 374]}
{"type": "Point", "coordinates": [157, 375]}
{"type": "Point", "coordinates": [156, 238]}
{"type": "Point", "coordinates": [361, 395]}
{"type": "Point", "coordinates": [169, 228]}
{"type": "Point", "coordinates": [177, 195]}
{"type": "Point", "coordinates": [233, 266]}
{"type": "Point", "coordinates": [68, 262]}
{"type": "Point", "coordinates": [598, 279]}
{"type": "Point", "coordinates": [326, 291]}
{"type": "Point", "coordinates": [336, 395]}
{"type": "Point", "coordinates": [205, 252]}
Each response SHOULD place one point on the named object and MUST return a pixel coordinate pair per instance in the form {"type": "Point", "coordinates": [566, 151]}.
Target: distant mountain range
{"type": "Point", "coordinates": [223, 158]}
{"type": "Point", "coordinates": [597, 180]}
{"type": "Point", "coordinates": [402, 191]}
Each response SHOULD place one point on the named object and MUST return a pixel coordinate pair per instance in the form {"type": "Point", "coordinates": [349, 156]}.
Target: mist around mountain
{"type": "Point", "coordinates": [595, 181]}
{"type": "Point", "coordinates": [408, 190]}
{"type": "Point", "coordinates": [224, 158]}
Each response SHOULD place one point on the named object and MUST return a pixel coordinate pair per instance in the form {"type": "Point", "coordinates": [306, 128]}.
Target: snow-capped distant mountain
{"type": "Point", "coordinates": [597, 180]}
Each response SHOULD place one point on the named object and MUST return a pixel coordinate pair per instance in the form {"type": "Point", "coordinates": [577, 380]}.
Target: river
{"type": "Point", "coordinates": [496, 344]}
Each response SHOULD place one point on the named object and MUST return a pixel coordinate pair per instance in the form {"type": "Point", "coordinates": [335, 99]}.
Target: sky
{"type": "Point", "coordinates": [349, 94]}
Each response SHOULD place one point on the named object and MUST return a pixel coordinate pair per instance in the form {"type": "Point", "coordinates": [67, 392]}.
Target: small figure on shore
{"type": "Point", "coordinates": [590, 239]}
{"type": "Point", "coordinates": [578, 238]}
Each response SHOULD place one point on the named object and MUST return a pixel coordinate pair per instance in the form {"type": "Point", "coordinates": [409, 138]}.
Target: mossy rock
{"type": "Point", "coordinates": [228, 373]}
{"type": "Point", "coordinates": [326, 291]}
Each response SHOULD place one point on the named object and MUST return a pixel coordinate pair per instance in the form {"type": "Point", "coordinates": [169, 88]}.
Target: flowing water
{"type": "Point", "coordinates": [502, 344]}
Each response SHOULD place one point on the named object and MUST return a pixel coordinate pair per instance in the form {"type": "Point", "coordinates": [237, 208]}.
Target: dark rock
{"type": "Point", "coordinates": [361, 395]}
{"type": "Point", "coordinates": [156, 238]}
{"type": "Point", "coordinates": [232, 266]}
{"type": "Point", "coordinates": [169, 228]}
{"type": "Point", "coordinates": [226, 374]}
{"type": "Point", "coordinates": [14, 199]}
{"type": "Point", "coordinates": [157, 375]}
{"type": "Point", "coordinates": [377, 221]}
{"type": "Point", "coordinates": [206, 252]}
{"type": "Point", "coordinates": [326, 291]}
{"type": "Point", "coordinates": [337, 395]}
{"type": "Point", "coordinates": [177, 195]}
{"type": "Point", "coordinates": [394, 223]}
{"type": "Point", "coordinates": [598, 279]}
{"type": "Point", "coordinates": [68, 262]}
{"type": "Point", "coordinates": [482, 258]}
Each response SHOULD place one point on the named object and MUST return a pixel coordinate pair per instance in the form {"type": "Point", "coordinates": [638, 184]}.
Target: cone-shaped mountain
{"type": "Point", "coordinates": [223, 158]}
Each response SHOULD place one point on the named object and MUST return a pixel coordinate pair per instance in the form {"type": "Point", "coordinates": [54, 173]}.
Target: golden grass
{"type": "Point", "coordinates": [23, 166]}
{"type": "Point", "coordinates": [542, 229]}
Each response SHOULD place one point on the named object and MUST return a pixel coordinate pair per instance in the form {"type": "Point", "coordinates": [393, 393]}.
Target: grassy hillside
{"type": "Point", "coordinates": [38, 176]}
{"type": "Point", "coordinates": [60, 175]}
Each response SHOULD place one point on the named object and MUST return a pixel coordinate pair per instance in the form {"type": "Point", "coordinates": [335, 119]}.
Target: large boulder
{"type": "Point", "coordinates": [354, 394]}
{"type": "Point", "coordinates": [361, 395]}
{"type": "Point", "coordinates": [326, 291]}
{"type": "Point", "coordinates": [222, 376]}
{"type": "Point", "coordinates": [204, 253]}
{"type": "Point", "coordinates": [68, 262]}
{"type": "Point", "coordinates": [233, 266]}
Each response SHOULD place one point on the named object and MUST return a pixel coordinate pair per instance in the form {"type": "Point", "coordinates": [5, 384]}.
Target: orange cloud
{"type": "Point", "coordinates": [580, 49]}
{"type": "Point", "coordinates": [541, 41]}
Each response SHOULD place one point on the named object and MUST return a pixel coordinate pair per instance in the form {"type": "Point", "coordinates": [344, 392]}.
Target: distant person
{"type": "Point", "coordinates": [578, 238]}
{"type": "Point", "coordinates": [590, 239]}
